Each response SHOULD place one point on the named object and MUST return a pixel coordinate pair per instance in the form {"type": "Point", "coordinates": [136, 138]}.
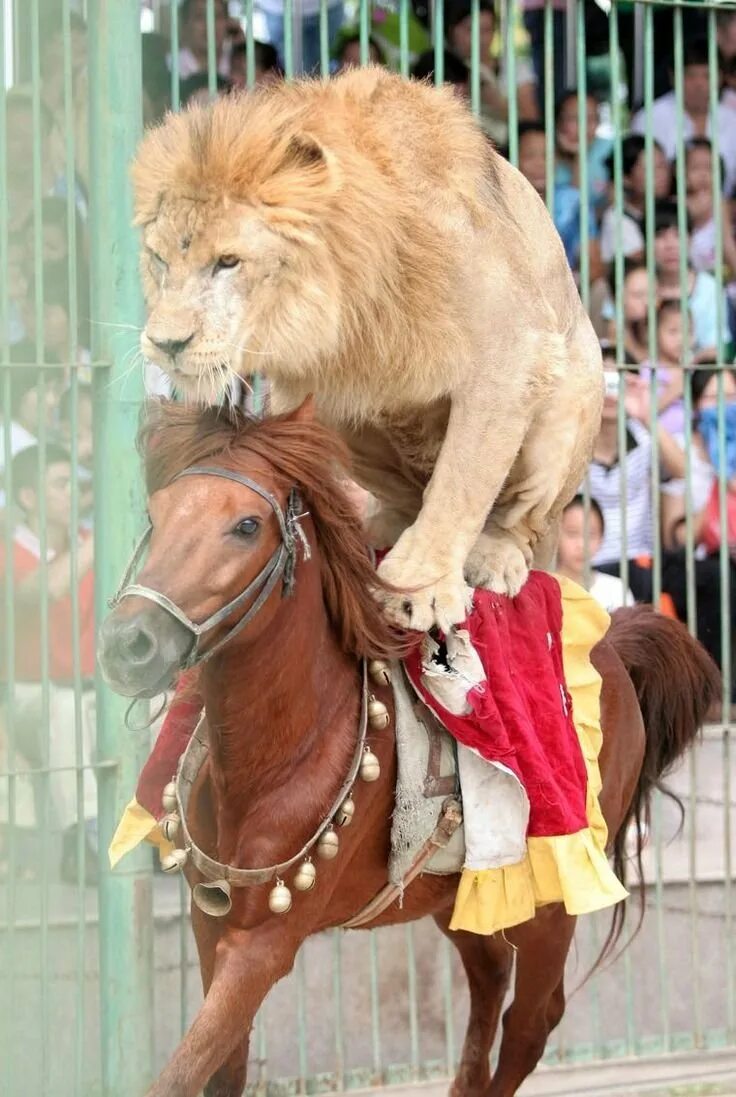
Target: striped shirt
{"type": "Point", "coordinates": [606, 484]}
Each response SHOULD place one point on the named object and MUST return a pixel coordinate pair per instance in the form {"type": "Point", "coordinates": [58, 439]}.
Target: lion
{"type": "Point", "coordinates": [359, 239]}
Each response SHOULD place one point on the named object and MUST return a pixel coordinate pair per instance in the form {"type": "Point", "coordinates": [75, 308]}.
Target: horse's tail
{"type": "Point", "coordinates": [676, 682]}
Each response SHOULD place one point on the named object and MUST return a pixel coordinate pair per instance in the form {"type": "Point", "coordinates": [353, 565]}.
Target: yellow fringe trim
{"type": "Point", "coordinates": [569, 868]}
{"type": "Point", "coordinates": [136, 825]}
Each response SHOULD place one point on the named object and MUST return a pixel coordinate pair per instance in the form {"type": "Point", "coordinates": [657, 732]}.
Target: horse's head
{"type": "Point", "coordinates": [223, 542]}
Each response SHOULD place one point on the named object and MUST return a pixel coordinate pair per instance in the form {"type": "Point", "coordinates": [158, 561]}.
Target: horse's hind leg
{"type": "Point", "coordinates": [539, 997]}
{"type": "Point", "coordinates": [487, 962]}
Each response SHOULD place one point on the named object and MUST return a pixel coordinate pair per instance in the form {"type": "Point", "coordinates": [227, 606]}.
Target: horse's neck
{"type": "Point", "coordinates": [274, 704]}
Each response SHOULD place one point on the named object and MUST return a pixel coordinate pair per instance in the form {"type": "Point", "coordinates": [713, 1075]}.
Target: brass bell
{"type": "Point", "coordinates": [346, 811]}
{"type": "Point", "coordinates": [328, 845]}
{"type": "Point", "coordinates": [306, 876]}
{"type": "Point", "coordinates": [170, 826]}
{"type": "Point", "coordinates": [174, 861]}
{"type": "Point", "coordinates": [370, 767]}
{"type": "Point", "coordinates": [380, 672]}
{"type": "Point", "coordinates": [168, 798]}
{"type": "Point", "coordinates": [279, 899]}
{"type": "Point", "coordinates": [378, 716]}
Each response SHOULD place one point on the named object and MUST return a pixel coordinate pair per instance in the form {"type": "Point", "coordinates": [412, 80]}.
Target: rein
{"type": "Point", "coordinates": [280, 565]}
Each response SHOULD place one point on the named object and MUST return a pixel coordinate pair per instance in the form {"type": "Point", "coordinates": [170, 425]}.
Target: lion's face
{"type": "Point", "coordinates": [231, 290]}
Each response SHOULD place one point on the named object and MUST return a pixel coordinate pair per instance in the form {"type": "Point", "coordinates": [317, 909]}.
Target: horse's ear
{"type": "Point", "coordinates": [305, 412]}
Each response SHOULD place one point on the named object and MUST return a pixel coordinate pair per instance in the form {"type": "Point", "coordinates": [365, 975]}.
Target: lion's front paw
{"type": "Point", "coordinates": [421, 603]}
{"type": "Point", "coordinates": [497, 563]}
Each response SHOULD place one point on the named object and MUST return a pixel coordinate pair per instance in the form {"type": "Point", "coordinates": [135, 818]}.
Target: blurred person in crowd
{"type": "Point", "coordinates": [696, 121]}
{"type": "Point", "coordinates": [85, 443]}
{"type": "Point", "coordinates": [306, 37]}
{"type": "Point", "coordinates": [52, 96]}
{"type": "Point", "coordinates": [568, 144]}
{"type": "Point", "coordinates": [567, 214]}
{"type": "Point", "coordinates": [266, 70]}
{"type": "Point", "coordinates": [575, 549]}
{"type": "Point", "coordinates": [346, 50]}
{"type": "Point", "coordinates": [494, 90]}
{"type": "Point", "coordinates": [703, 504]}
{"type": "Point", "coordinates": [25, 414]}
{"type": "Point", "coordinates": [633, 173]}
{"type": "Point", "coordinates": [672, 355]}
{"type": "Point", "coordinates": [623, 482]}
{"type": "Point", "coordinates": [28, 698]}
{"type": "Point", "coordinates": [532, 147]}
{"type": "Point", "coordinates": [196, 88]}
{"type": "Point", "coordinates": [193, 51]}
{"type": "Point", "coordinates": [156, 87]}
{"type": "Point", "coordinates": [456, 72]}
{"type": "Point", "coordinates": [534, 19]}
{"type": "Point", "coordinates": [635, 291]}
{"type": "Point", "coordinates": [18, 286]}
{"type": "Point", "coordinates": [20, 158]}
{"type": "Point", "coordinates": [701, 216]}
{"type": "Point", "coordinates": [701, 288]}
{"type": "Point", "coordinates": [726, 35]}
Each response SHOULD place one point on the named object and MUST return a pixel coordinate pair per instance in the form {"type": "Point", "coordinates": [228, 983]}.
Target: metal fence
{"type": "Point", "coordinates": [99, 979]}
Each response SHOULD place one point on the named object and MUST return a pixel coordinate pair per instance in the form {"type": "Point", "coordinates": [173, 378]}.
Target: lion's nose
{"type": "Point", "coordinates": [172, 347]}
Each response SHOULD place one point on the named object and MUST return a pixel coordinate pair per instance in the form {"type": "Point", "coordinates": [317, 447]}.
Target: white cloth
{"type": "Point", "coordinates": [610, 591]}
{"type": "Point", "coordinates": [664, 128]}
{"type": "Point", "coordinates": [632, 238]}
{"type": "Point", "coordinates": [59, 752]}
{"type": "Point", "coordinates": [20, 439]}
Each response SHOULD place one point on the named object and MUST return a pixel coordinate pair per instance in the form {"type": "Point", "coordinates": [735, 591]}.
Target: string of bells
{"type": "Point", "coordinates": [328, 843]}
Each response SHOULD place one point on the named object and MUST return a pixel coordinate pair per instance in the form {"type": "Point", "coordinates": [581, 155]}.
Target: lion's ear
{"type": "Point", "coordinates": [305, 413]}
{"type": "Point", "coordinates": [305, 173]}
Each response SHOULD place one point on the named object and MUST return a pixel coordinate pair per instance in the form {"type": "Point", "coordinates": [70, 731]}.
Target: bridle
{"type": "Point", "coordinates": [279, 566]}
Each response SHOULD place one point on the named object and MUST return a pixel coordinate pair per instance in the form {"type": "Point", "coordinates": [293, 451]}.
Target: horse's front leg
{"type": "Point", "coordinates": [247, 964]}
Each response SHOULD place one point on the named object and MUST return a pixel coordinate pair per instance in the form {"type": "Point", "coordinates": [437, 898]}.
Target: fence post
{"type": "Point", "coordinates": [126, 908]}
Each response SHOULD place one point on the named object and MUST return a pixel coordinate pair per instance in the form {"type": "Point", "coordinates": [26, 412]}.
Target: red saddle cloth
{"type": "Point", "coordinates": [522, 715]}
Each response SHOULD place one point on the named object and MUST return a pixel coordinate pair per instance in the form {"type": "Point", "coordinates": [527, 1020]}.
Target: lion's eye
{"type": "Point", "coordinates": [226, 262]}
{"type": "Point", "coordinates": [247, 527]}
{"type": "Point", "coordinates": [158, 260]}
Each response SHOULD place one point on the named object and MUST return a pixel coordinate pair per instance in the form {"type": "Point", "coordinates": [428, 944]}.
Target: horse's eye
{"type": "Point", "coordinates": [226, 262]}
{"type": "Point", "coordinates": [247, 527]}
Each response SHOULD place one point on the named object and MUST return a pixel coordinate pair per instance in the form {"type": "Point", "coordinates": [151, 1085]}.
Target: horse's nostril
{"type": "Point", "coordinates": [138, 645]}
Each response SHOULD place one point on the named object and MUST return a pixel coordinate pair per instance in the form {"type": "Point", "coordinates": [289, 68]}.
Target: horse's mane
{"type": "Point", "coordinates": [174, 436]}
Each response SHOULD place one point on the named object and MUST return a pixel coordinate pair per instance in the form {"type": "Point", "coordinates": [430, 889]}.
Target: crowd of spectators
{"type": "Point", "coordinates": [646, 486]}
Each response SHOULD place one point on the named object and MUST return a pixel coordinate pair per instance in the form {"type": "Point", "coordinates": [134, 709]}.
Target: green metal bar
{"type": "Point", "coordinates": [404, 37]}
{"type": "Point", "coordinates": [450, 1050]}
{"type": "Point", "coordinates": [175, 77]}
{"type": "Point", "coordinates": [549, 107]}
{"type": "Point", "coordinates": [73, 353]}
{"type": "Point", "coordinates": [324, 38]}
{"type": "Point", "coordinates": [411, 963]}
{"type": "Point", "coordinates": [438, 29]}
{"type": "Point", "coordinates": [184, 923]}
{"type": "Point", "coordinates": [364, 31]}
{"type": "Point", "coordinates": [302, 1013]}
{"type": "Point", "coordinates": [288, 38]}
{"type": "Point", "coordinates": [724, 551]}
{"type": "Point", "coordinates": [43, 819]}
{"type": "Point", "coordinates": [212, 58]}
{"type": "Point", "coordinates": [511, 90]}
{"type": "Point", "coordinates": [475, 56]}
{"type": "Point", "coordinates": [338, 1010]}
{"type": "Point", "coordinates": [375, 1010]}
{"type": "Point", "coordinates": [126, 914]}
{"type": "Point", "coordinates": [250, 46]}
{"type": "Point", "coordinates": [583, 159]}
{"type": "Point", "coordinates": [10, 949]}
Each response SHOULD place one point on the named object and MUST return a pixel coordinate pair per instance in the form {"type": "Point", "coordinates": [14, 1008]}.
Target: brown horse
{"type": "Point", "coordinates": [283, 703]}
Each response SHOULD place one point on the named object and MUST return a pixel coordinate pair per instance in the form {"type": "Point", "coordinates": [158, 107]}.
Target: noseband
{"type": "Point", "coordinates": [280, 565]}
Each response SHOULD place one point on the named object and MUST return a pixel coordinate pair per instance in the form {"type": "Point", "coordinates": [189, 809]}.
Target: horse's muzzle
{"type": "Point", "coordinates": [140, 652]}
